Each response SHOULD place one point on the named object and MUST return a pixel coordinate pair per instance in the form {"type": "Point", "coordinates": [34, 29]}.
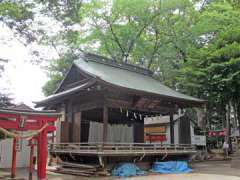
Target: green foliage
{"type": "Point", "coordinates": [149, 33]}
{"type": "Point", "coordinates": [56, 72]}
{"type": "Point", "coordinates": [216, 17]}
{"type": "Point", "coordinates": [67, 12]}
{"type": "Point", "coordinates": [18, 15]}
{"type": "Point", "coordinates": [193, 50]}
{"type": "Point", "coordinates": [14, 10]}
{"type": "Point", "coordinates": [213, 71]}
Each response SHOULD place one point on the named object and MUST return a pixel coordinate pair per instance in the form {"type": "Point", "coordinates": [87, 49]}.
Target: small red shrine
{"type": "Point", "coordinates": [33, 126]}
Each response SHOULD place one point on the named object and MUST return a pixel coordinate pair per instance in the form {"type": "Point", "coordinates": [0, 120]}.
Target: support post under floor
{"type": "Point", "coordinates": [14, 158]}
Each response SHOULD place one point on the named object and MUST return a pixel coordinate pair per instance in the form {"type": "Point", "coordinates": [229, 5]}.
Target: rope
{"type": "Point", "coordinates": [19, 136]}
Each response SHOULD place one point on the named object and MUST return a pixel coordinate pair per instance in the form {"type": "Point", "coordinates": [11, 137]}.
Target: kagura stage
{"type": "Point", "coordinates": [104, 104]}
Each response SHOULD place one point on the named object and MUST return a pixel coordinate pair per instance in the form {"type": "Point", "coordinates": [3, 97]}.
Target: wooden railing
{"type": "Point", "coordinates": [120, 148]}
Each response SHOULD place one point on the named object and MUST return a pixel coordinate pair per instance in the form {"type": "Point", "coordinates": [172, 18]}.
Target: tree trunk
{"type": "Point", "coordinates": [227, 123]}
{"type": "Point", "coordinates": [238, 115]}
{"type": "Point", "coordinates": [234, 106]}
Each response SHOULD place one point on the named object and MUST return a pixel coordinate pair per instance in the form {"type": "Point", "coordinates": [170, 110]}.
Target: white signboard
{"type": "Point", "coordinates": [199, 140]}
{"type": "Point", "coordinates": [160, 119]}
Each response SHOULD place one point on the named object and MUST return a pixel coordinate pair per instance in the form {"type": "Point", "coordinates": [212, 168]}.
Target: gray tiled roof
{"type": "Point", "coordinates": [128, 76]}
{"type": "Point", "coordinates": [121, 75]}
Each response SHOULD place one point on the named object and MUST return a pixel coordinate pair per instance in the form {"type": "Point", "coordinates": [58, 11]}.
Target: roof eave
{"type": "Point", "coordinates": [30, 112]}
{"type": "Point", "coordinates": [55, 97]}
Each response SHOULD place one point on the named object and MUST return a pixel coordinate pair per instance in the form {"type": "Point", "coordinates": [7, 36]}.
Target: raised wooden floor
{"type": "Point", "coordinates": [121, 149]}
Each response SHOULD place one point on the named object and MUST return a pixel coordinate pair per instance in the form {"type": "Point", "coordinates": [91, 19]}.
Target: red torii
{"type": "Point", "coordinates": [40, 121]}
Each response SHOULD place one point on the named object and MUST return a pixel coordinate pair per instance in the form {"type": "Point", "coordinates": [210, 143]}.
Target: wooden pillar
{"type": "Point", "coordinates": [105, 123]}
{"type": "Point", "coordinates": [138, 132]}
{"type": "Point", "coordinates": [171, 127]}
{"type": "Point", "coordinates": [77, 127]}
{"type": "Point", "coordinates": [58, 133]}
{"type": "Point", "coordinates": [65, 131]}
{"type": "Point", "coordinates": [70, 119]}
{"type": "Point", "coordinates": [14, 158]}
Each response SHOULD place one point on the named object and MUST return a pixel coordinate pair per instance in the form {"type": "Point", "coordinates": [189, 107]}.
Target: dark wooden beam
{"type": "Point", "coordinates": [135, 100]}
{"type": "Point", "coordinates": [147, 103]}
{"type": "Point", "coordinates": [171, 127]}
{"type": "Point", "coordinates": [88, 106]}
{"type": "Point", "coordinates": [182, 103]}
{"type": "Point", "coordinates": [88, 96]}
{"type": "Point", "coordinates": [154, 104]}
{"type": "Point", "coordinates": [113, 103]}
{"type": "Point", "coordinates": [105, 123]}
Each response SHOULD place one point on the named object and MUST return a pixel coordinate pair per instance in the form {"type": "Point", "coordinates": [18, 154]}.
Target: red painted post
{"type": "Point", "coordinates": [43, 156]}
{"type": "Point", "coordinates": [39, 144]}
{"type": "Point", "coordinates": [31, 143]}
{"type": "Point", "coordinates": [40, 120]}
{"type": "Point", "coordinates": [14, 158]}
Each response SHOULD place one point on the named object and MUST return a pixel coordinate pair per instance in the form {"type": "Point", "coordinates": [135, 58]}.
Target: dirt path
{"type": "Point", "coordinates": [216, 167]}
{"type": "Point", "coordinates": [220, 170]}
{"type": "Point", "coordinates": [191, 176]}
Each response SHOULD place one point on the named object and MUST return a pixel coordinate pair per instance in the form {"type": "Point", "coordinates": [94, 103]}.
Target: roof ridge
{"type": "Point", "coordinates": [110, 62]}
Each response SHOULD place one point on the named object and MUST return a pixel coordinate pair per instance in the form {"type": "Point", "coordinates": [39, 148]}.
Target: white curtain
{"type": "Point", "coordinates": [95, 132]}
{"type": "Point", "coordinates": [116, 133]}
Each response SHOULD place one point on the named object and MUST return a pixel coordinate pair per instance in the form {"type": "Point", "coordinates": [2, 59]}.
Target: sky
{"type": "Point", "coordinates": [21, 78]}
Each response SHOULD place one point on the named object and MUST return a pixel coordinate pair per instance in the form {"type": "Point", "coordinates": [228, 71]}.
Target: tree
{"type": "Point", "coordinates": [18, 16]}
{"type": "Point", "coordinates": [149, 33]}
{"type": "Point", "coordinates": [15, 15]}
{"type": "Point", "coordinates": [56, 72]}
{"type": "Point", "coordinates": [191, 48]}
{"type": "Point", "coordinates": [212, 67]}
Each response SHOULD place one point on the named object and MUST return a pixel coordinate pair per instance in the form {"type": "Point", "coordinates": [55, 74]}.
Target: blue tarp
{"type": "Point", "coordinates": [171, 167]}
{"type": "Point", "coordinates": [127, 170]}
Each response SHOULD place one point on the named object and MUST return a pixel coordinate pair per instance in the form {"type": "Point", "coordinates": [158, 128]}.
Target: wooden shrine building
{"type": "Point", "coordinates": [104, 101]}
